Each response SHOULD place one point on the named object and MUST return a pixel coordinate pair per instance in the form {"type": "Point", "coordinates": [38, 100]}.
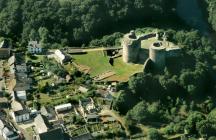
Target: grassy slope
{"type": "Point", "coordinates": [100, 64]}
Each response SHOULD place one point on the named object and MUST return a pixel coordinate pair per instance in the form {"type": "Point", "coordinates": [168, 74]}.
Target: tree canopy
{"type": "Point", "coordinates": [74, 22]}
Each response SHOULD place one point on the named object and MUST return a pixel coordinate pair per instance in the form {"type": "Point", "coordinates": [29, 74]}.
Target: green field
{"type": "Point", "coordinates": [100, 64]}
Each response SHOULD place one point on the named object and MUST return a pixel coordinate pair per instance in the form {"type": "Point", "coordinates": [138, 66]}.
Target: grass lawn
{"type": "Point", "coordinates": [44, 98]}
{"type": "Point", "coordinates": [29, 133]}
{"type": "Point", "coordinates": [147, 43]}
{"type": "Point", "coordinates": [100, 64]}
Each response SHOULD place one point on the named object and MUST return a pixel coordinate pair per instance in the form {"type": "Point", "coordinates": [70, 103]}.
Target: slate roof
{"type": "Point", "coordinates": [34, 44]}
{"type": "Point", "coordinates": [55, 134]}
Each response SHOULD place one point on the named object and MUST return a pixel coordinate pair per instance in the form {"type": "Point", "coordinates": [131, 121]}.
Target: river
{"type": "Point", "coordinates": [190, 12]}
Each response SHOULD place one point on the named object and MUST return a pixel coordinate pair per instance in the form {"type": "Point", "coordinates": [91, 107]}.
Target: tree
{"type": "Point", "coordinates": [44, 35]}
{"type": "Point", "coordinates": [145, 86]}
{"type": "Point", "coordinates": [76, 21]}
{"type": "Point", "coordinates": [122, 104]}
{"type": "Point", "coordinates": [192, 120]}
{"type": "Point", "coordinates": [34, 35]}
{"type": "Point", "coordinates": [153, 134]}
{"type": "Point", "coordinates": [143, 112]}
{"type": "Point", "coordinates": [206, 128]}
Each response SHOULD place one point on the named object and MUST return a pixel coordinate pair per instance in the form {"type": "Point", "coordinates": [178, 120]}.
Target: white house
{"type": "Point", "coordinates": [63, 107]}
{"type": "Point", "coordinates": [86, 106]}
{"type": "Point", "coordinates": [34, 47]}
{"type": "Point", "coordinates": [18, 112]}
{"type": "Point", "coordinates": [7, 133]}
{"type": "Point", "coordinates": [60, 57]}
{"type": "Point", "coordinates": [21, 95]}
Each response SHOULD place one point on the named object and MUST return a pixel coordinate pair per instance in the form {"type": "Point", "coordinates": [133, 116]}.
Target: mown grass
{"type": "Point", "coordinates": [100, 64]}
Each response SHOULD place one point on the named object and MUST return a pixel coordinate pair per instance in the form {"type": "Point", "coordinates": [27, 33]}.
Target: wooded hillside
{"type": "Point", "coordinates": [74, 22]}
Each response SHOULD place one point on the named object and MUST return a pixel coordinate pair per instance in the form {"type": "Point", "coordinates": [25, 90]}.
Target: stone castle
{"type": "Point", "coordinates": [157, 52]}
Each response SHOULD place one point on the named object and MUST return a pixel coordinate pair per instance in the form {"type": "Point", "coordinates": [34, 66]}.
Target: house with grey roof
{"type": "Point", "coordinates": [88, 110]}
{"type": "Point", "coordinates": [21, 95]}
{"type": "Point", "coordinates": [7, 132]}
{"type": "Point", "coordinates": [48, 112]}
{"type": "Point", "coordinates": [19, 80]}
{"type": "Point", "coordinates": [54, 134]}
{"type": "Point", "coordinates": [18, 112]}
{"type": "Point", "coordinates": [34, 47]}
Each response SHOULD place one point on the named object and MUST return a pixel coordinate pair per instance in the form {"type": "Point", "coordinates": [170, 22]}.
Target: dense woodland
{"type": "Point", "coordinates": [211, 12]}
{"type": "Point", "coordinates": [75, 22]}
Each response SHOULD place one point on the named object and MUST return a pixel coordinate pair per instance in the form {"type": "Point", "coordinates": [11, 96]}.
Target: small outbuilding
{"type": "Point", "coordinates": [63, 107]}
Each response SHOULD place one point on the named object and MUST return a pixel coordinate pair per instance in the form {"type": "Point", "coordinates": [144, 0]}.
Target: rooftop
{"type": "Point", "coordinates": [21, 93]}
{"type": "Point", "coordinates": [16, 106]}
{"type": "Point", "coordinates": [63, 106]}
{"type": "Point", "coordinates": [59, 54]}
{"type": "Point", "coordinates": [34, 44]}
{"type": "Point", "coordinates": [55, 134]}
{"type": "Point", "coordinates": [40, 124]}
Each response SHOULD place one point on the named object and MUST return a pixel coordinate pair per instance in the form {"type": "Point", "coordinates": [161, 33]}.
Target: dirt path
{"type": "Point", "coordinates": [115, 115]}
{"type": "Point", "coordinates": [72, 50]}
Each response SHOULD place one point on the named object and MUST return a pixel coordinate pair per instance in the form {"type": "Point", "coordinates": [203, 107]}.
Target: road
{"type": "Point", "coordinates": [77, 50]}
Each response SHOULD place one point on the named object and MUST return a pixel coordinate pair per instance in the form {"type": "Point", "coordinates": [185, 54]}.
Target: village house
{"type": "Point", "coordinates": [86, 106]}
{"type": "Point", "coordinates": [5, 49]}
{"type": "Point", "coordinates": [48, 112]}
{"type": "Point", "coordinates": [54, 134]}
{"type": "Point", "coordinates": [88, 110]}
{"type": "Point", "coordinates": [34, 47]}
{"type": "Point", "coordinates": [41, 125]}
{"type": "Point", "coordinates": [18, 112]}
{"type": "Point", "coordinates": [7, 132]}
{"type": "Point", "coordinates": [18, 80]}
{"type": "Point", "coordinates": [21, 95]}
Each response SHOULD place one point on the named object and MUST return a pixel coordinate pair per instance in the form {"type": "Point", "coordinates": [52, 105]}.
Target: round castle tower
{"type": "Point", "coordinates": [157, 54]}
{"type": "Point", "coordinates": [131, 47]}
